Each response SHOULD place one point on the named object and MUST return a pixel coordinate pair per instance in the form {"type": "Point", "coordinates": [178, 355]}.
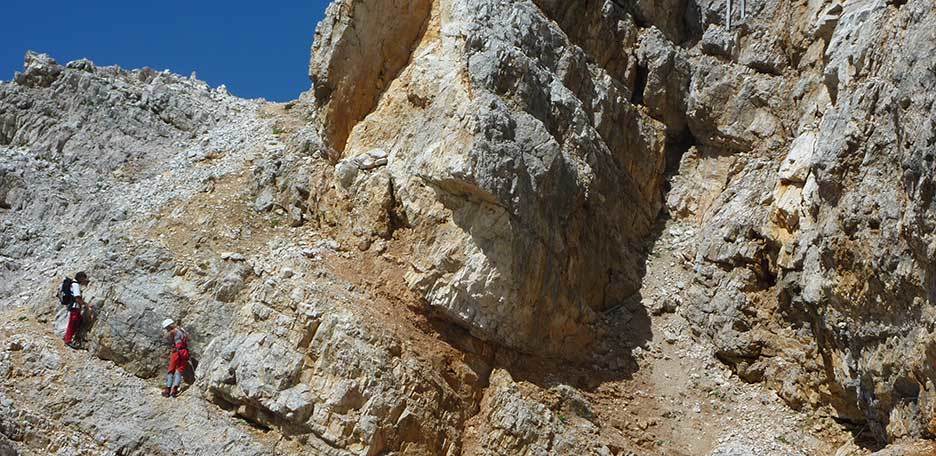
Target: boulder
{"type": "Point", "coordinates": [39, 70]}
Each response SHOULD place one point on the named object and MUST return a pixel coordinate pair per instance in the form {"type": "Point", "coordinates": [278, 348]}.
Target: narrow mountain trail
{"type": "Point", "coordinates": [681, 399]}
{"type": "Point", "coordinates": [57, 391]}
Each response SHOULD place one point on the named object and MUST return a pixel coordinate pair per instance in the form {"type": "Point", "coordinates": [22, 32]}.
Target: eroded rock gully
{"type": "Point", "coordinates": [530, 227]}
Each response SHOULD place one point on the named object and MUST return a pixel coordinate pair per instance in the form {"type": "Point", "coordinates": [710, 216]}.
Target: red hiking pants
{"type": "Point", "coordinates": [74, 324]}
{"type": "Point", "coordinates": [178, 361]}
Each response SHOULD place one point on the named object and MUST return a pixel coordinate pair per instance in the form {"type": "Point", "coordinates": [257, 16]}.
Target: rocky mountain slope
{"type": "Point", "coordinates": [528, 227]}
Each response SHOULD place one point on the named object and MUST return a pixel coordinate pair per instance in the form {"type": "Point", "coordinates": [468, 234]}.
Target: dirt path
{"type": "Point", "coordinates": [681, 400]}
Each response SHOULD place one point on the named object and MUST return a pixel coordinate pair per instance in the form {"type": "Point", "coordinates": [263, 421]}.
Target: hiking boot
{"type": "Point", "coordinates": [174, 392]}
{"type": "Point", "coordinates": [165, 391]}
{"type": "Point", "coordinates": [73, 345]}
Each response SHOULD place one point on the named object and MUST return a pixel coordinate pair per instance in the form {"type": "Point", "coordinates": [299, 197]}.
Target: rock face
{"type": "Point", "coordinates": [84, 160]}
{"type": "Point", "coordinates": [348, 87]}
{"type": "Point", "coordinates": [444, 246]}
{"type": "Point", "coordinates": [129, 200]}
{"type": "Point", "coordinates": [812, 271]}
{"type": "Point", "coordinates": [309, 367]}
{"type": "Point", "coordinates": [514, 424]}
{"type": "Point", "coordinates": [808, 177]}
{"type": "Point", "coordinates": [538, 178]}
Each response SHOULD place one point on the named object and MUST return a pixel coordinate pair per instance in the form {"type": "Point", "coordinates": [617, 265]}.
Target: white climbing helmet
{"type": "Point", "coordinates": [167, 323]}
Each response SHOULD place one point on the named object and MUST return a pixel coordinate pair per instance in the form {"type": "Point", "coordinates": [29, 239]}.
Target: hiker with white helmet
{"type": "Point", "coordinates": [178, 360]}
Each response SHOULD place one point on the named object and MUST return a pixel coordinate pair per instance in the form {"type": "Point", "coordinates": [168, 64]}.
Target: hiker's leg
{"type": "Point", "coordinates": [169, 378]}
{"type": "Point", "coordinates": [84, 325]}
{"type": "Point", "coordinates": [174, 362]}
{"type": "Point", "coordinates": [74, 323]}
{"type": "Point", "coordinates": [177, 384]}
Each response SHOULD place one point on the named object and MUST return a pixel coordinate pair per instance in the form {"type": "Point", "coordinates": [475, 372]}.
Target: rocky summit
{"type": "Point", "coordinates": [526, 227]}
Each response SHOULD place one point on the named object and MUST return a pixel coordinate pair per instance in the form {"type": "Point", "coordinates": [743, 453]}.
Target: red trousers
{"type": "Point", "coordinates": [74, 324]}
{"type": "Point", "coordinates": [178, 361]}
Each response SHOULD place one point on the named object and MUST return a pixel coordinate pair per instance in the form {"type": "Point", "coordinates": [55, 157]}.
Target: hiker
{"type": "Point", "coordinates": [178, 359]}
{"type": "Point", "coordinates": [70, 297]}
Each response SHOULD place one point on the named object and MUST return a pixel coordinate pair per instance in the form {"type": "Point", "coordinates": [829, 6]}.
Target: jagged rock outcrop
{"type": "Point", "coordinates": [441, 247]}
{"type": "Point", "coordinates": [356, 54]}
{"type": "Point", "coordinates": [518, 237]}
{"type": "Point", "coordinates": [280, 345]}
{"type": "Point", "coordinates": [812, 265]}
{"type": "Point", "coordinates": [741, 95]}
{"type": "Point", "coordinates": [511, 423]}
{"type": "Point", "coordinates": [783, 239]}
{"type": "Point", "coordinates": [297, 360]}
{"type": "Point", "coordinates": [115, 413]}
{"type": "Point", "coordinates": [89, 156]}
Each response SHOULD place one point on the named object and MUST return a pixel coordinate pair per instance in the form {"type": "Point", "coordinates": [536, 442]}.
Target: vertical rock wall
{"type": "Point", "coordinates": [526, 144]}
{"type": "Point", "coordinates": [811, 187]}
{"type": "Point", "coordinates": [518, 159]}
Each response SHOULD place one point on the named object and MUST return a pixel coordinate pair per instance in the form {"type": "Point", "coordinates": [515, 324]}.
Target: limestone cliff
{"type": "Point", "coordinates": [512, 190]}
{"type": "Point", "coordinates": [490, 227]}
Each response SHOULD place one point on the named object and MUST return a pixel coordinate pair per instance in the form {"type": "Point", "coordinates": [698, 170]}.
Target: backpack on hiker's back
{"type": "Point", "coordinates": [66, 298]}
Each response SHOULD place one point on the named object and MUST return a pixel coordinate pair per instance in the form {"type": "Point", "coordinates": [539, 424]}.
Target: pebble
{"type": "Point", "coordinates": [230, 256]}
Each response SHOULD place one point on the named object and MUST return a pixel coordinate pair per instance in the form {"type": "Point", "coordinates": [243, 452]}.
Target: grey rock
{"type": "Point", "coordinates": [729, 449]}
{"type": "Point", "coordinates": [265, 200]}
{"type": "Point", "coordinates": [798, 209]}
{"type": "Point", "coordinates": [7, 447]}
{"type": "Point", "coordinates": [719, 42]}
{"type": "Point", "coordinates": [233, 256]}
{"type": "Point", "coordinates": [667, 83]}
{"type": "Point", "coordinates": [119, 410]}
{"type": "Point", "coordinates": [762, 52]}
{"type": "Point", "coordinates": [82, 64]}
{"type": "Point", "coordinates": [346, 171]}
{"type": "Point", "coordinates": [529, 143]}
{"type": "Point", "coordinates": [39, 70]}
{"type": "Point", "coordinates": [295, 216]}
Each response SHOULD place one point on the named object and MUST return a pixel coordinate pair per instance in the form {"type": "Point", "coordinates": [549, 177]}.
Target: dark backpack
{"type": "Point", "coordinates": [65, 294]}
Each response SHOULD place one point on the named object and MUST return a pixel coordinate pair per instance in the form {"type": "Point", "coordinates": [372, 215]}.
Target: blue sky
{"type": "Point", "coordinates": [257, 49]}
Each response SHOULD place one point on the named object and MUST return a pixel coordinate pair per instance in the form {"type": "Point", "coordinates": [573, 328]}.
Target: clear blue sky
{"type": "Point", "coordinates": [257, 49]}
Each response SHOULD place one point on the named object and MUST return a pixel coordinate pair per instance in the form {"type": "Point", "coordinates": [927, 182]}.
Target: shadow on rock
{"type": "Point", "coordinates": [615, 337]}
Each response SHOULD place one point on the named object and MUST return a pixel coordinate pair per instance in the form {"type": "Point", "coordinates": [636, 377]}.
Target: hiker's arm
{"type": "Point", "coordinates": [81, 301]}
